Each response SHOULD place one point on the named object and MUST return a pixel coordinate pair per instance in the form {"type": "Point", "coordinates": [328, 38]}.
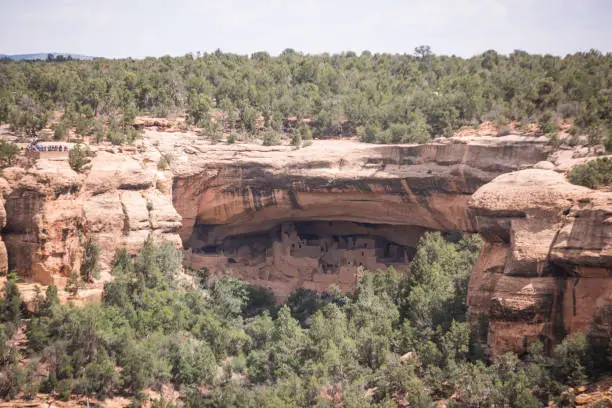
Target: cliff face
{"type": "Point", "coordinates": [427, 186]}
{"type": "Point", "coordinates": [387, 196]}
{"type": "Point", "coordinates": [546, 267]}
{"type": "Point", "coordinates": [312, 217]}
{"type": "Point", "coordinates": [51, 211]}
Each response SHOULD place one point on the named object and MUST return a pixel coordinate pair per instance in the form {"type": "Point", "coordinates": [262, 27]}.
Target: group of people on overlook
{"type": "Point", "coordinates": [35, 147]}
{"type": "Point", "coordinates": [51, 148]}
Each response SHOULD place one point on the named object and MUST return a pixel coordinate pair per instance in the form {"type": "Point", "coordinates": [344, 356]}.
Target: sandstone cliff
{"type": "Point", "coordinates": [51, 210]}
{"type": "Point", "coordinates": [546, 267]}
{"type": "Point", "coordinates": [224, 192]}
{"type": "Point", "coordinates": [287, 218]}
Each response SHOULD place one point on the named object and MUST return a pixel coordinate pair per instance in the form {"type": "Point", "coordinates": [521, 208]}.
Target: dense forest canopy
{"type": "Point", "coordinates": [396, 341]}
{"type": "Point", "coordinates": [381, 97]}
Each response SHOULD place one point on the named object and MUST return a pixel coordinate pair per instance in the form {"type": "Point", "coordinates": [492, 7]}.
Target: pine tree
{"type": "Point", "coordinates": [90, 267]}
{"type": "Point", "coordinates": [11, 309]}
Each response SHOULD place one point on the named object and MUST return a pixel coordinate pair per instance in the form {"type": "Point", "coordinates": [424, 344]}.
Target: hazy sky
{"type": "Point", "coordinates": [138, 28]}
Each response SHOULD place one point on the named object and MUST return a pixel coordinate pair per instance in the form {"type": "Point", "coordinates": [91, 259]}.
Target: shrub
{"type": "Point", "coordinates": [500, 121]}
{"type": "Point", "coordinates": [214, 136]}
{"type": "Point", "coordinates": [196, 362]}
{"type": "Point", "coordinates": [574, 140]}
{"type": "Point", "coordinates": [306, 133]}
{"type": "Point", "coordinates": [418, 130]}
{"type": "Point", "coordinates": [303, 303]}
{"type": "Point", "coordinates": [60, 132]}
{"type": "Point", "coordinates": [12, 379]}
{"type": "Point", "coordinates": [132, 134]}
{"type": "Point", "coordinates": [116, 137]}
{"type": "Point", "coordinates": [568, 109]}
{"type": "Point", "coordinates": [73, 285]}
{"type": "Point", "coordinates": [8, 151]}
{"type": "Point", "coordinates": [78, 157]}
{"type": "Point", "coordinates": [100, 378]}
{"type": "Point", "coordinates": [10, 309]}
{"type": "Point", "coordinates": [271, 139]}
{"type": "Point", "coordinates": [27, 116]}
{"type": "Point", "coordinates": [550, 126]}
{"type": "Point", "coordinates": [598, 134]}
{"type": "Point", "coordinates": [64, 389]}
{"type": "Point", "coordinates": [384, 137]}
{"type": "Point", "coordinates": [554, 141]}
{"type": "Point", "coordinates": [572, 360]}
{"type": "Point", "coordinates": [398, 132]}
{"type": "Point", "coordinates": [83, 126]}
{"type": "Point", "coordinates": [369, 133]}
{"type": "Point", "coordinates": [231, 139]}
{"type": "Point", "coordinates": [594, 174]}
{"type": "Point", "coordinates": [259, 298]}
{"type": "Point", "coordinates": [296, 140]}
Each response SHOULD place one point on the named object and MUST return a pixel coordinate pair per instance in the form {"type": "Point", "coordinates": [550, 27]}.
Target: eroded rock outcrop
{"type": "Point", "coordinates": [546, 266]}
{"type": "Point", "coordinates": [51, 210]}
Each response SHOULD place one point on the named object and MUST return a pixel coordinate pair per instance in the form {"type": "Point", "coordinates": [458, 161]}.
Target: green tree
{"type": "Point", "coordinates": [78, 157]}
{"type": "Point", "coordinates": [8, 151]}
{"type": "Point", "coordinates": [248, 118]}
{"type": "Point", "coordinates": [573, 360]}
{"type": "Point", "coordinates": [100, 378]}
{"type": "Point", "coordinates": [437, 286]}
{"type": "Point", "coordinates": [198, 109]}
{"type": "Point", "coordinates": [122, 262]}
{"type": "Point", "coordinates": [27, 116]}
{"type": "Point", "coordinates": [296, 140]}
{"type": "Point", "coordinates": [90, 266]}
{"type": "Point", "coordinates": [418, 130]}
{"type": "Point", "coordinates": [194, 363]}
{"type": "Point", "coordinates": [11, 308]}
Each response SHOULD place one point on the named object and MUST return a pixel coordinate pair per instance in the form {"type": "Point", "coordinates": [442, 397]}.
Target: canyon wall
{"type": "Point", "coordinates": [393, 193]}
{"type": "Point", "coordinates": [313, 217]}
{"type": "Point", "coordinates": [51, 211]}
{"type": "Point", "coordinates": [546, 268]}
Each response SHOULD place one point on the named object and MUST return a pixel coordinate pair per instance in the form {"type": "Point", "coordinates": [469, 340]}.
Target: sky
{"type": "Point", "coordinates": [140, 28]}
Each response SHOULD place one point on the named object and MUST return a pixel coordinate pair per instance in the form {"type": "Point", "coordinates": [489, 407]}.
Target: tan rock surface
{"type": "Point", "coordinates": [117, 171]}
{"type": "Point", "coordinates": [51, 210]}
{"type": "Point", "coordinates": [557, 238]}
{"type": "Point", "coordinates": [427, 185]}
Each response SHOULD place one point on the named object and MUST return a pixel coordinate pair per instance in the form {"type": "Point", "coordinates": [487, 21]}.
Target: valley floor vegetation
{"type": "Point", "coordinates": [382, 98]}
{"type": "Point", "coordinates": [396, 340]}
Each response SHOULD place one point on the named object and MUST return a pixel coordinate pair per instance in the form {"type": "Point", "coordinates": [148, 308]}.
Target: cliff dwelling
{"type": "Point", "coordinates": [309, 254]}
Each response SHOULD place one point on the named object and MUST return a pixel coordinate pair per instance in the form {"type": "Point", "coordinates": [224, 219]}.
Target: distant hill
{"type": "Point", "coordinates": [43, 56]}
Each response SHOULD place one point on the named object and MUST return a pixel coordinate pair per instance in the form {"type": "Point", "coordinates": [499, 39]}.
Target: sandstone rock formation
{"type": "Point", "coordinates": [226, 193]}
{"type": "Point", "coordinates": [51, 210]}
{"type": "Point", "coordinates": [287, 218]}
{"type": "Point", "coordinates": [546, 266]}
